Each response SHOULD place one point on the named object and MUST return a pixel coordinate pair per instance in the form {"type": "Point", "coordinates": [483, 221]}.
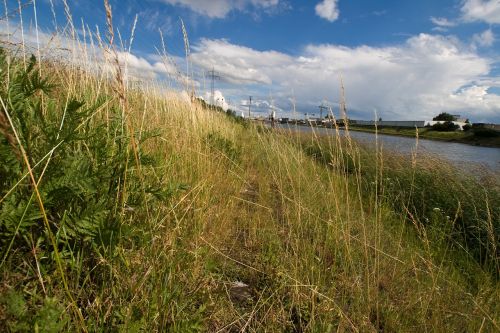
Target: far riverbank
{"type": "Point", "coordinates": [464, 156]}
{"type": "Point", "coordinates": [459, 137]}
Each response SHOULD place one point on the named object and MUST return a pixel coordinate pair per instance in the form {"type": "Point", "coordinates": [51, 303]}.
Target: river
{"type": "Point", "coordinates": [459, 154]}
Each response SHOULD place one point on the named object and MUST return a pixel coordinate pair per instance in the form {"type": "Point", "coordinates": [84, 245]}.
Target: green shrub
{"type": "Point", "coordinates": [447, 126]}
{"type": "Point", "coordinates": [47, 315]}
{"type": "Point", "coordinates": [344, 162]}
{"type": "Point", "coordinates": [75, 201]}
{"type": "Point", "coordinates": [82, 170]}
{"type": "Point", "coordinates": [444, 117]}
{"type": "Point", "coordinates": [486, 133]}
{"type": "Point", "coordinates": [232, 115]}
{"type": "Point", "coordinates": [224, 146]}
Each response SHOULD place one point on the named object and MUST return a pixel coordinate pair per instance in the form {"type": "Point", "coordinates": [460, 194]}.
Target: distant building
{"type": "Point", "coordinates": [406, 123]}
{"type": "Point", "coordinates": [390, 123]}
{"type": "Point", "coordinates": [314, 121]}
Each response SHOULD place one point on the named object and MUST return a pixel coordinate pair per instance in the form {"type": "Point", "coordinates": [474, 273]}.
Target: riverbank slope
{"type": "Point", "coordinates": [138, 210]}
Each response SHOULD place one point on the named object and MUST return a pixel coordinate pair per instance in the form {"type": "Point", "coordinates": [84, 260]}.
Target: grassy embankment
{"type": "Point", "coordinates": [130, 210]}
{"type": "Point", "coordinates": [468, 137]}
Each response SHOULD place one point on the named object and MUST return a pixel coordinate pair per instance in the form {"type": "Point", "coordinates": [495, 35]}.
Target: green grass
{"type": "Point", "coordinates": [151, 210]}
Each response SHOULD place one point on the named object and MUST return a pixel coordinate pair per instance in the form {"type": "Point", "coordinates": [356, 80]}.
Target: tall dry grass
{"type": "Point", "coordinates": [215, 224]}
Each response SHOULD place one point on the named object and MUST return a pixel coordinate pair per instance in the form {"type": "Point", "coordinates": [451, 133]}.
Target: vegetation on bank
{"type": "Point", "coordinates": [134, 210]}
{"type": "Point", "coordinates": [422, 186]}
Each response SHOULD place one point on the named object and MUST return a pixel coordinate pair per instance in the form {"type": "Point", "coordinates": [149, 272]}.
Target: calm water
{"type": "Point", "coordinates": [459, 154]}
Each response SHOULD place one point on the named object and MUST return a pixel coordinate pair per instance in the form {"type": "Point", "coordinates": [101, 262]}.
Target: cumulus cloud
{"type": "Point", "coordinates": [419, 78]}
{"type": "Point", "coordinates": [237, 64]}
{"type": "Point", "coordinates": [217, 99]}
{"type": "Point", "coordinates": [416, 79]}
{"type": "Point", "coordinates": [442, 22]}
{"type": "Point", "coordinates": [140, 68]}
{"type": "Point", "coordinates": [484, 39]}
{"type": "Point", "coordinates": [220, 8]}
{"type": "Point", "coordinates": [86, 55]}
{"type": "Point", "coordinates": [328, 10]}
{"type": "Point", "coordinates": [481, 10]}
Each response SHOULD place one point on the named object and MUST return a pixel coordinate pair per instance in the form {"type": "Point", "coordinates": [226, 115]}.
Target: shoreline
{"type": "Point", "coordinates": [468, 139]}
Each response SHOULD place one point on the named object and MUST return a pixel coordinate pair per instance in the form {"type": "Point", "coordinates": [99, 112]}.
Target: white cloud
{"type": "Point", "coordinates": [425, 75]}
{"type": "Point", "coordinates": [440, 29]}
{"type": "Point", "coordinates": [442, 22]}
{"type": "Point", "coordinates": [417, 79]}
{"type": "Point", "coordinates": [88, 55]}
{"type": "Point", "coordinates": [481, 10]}
{"type": "Point", "coordinates": [237, 64]}
{"type": "Point", "coordinates": [140, 68]}
{"type": "Point", "coordinates": [218, 99]}
{"type": "Point", "coordinates": [484, 39]}
{"type": "Point", "coordinates": [154, 20]}
{"type": "Point", "coordinates": [220, 8]}
{"type": "Point", "coordinates": [328, 10]}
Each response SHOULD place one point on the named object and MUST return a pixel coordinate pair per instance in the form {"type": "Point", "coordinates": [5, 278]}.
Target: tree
{"type": "Point", "coordinates": [447, 126]}
{"type": "Point", "coordinates": [443, 116]}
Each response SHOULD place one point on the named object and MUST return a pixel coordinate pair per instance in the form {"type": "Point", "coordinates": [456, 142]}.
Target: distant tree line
{"type": "Point", "coordinates": [443, 116]}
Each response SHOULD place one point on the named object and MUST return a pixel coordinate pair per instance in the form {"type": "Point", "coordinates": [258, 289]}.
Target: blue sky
{"type": "Point", "coordinates": [398, 59]}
